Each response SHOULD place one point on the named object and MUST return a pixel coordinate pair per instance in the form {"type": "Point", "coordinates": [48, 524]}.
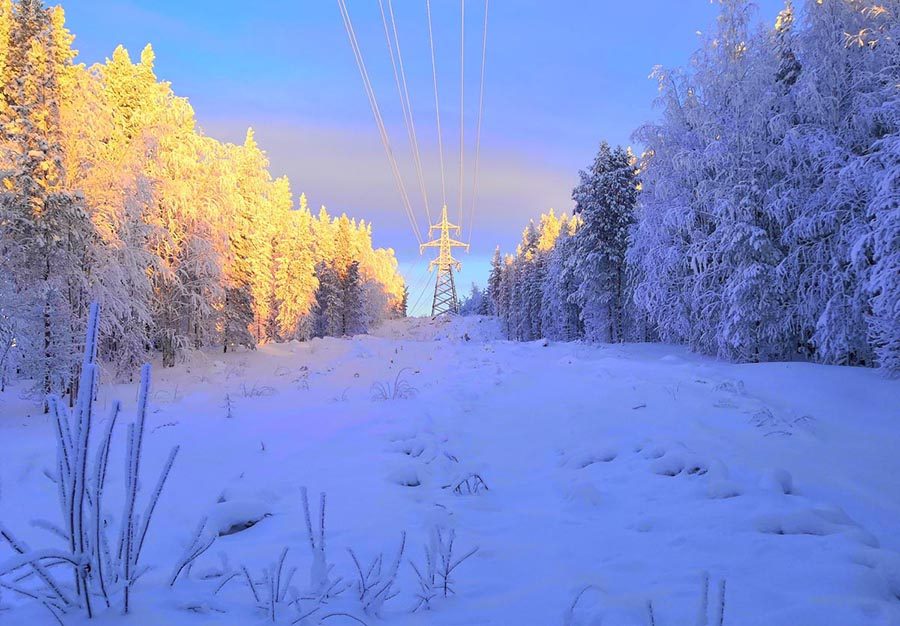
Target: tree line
{"type": "Point", "coordinates": [109, 191]}
{"type": "Point", "coordinates": [762, 220]}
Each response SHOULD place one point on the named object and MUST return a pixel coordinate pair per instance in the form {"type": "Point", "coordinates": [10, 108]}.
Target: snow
{"type": "Point", "coordinates": [627, 472]}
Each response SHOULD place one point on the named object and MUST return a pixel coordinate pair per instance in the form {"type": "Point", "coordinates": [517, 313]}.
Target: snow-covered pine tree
{"type": "Point", "coordinates": [604, 200]}
{"type": "Point", "coordinates": [529, 284]}
{"type": "Point", "coordinates": [247, 296]}
{"type": "Point", "coordinates": [505, 304]}
{"type": "Point", "coordinates": [493, 284]}
{"type": "Point", "coordinates": [354, 320]}
{"type": "Point", "coordinates": [329, 302]}
{"type": "Point", "coordinates": [375, 302]}
{"type": "Point", "coordinates": [561, 315]}
{"type": "Point", "coordinates": [403, 304]}
{"type": "Point", "coordinates": [344, 247]}
{"type": "Point", "coordinates": [295, 275]}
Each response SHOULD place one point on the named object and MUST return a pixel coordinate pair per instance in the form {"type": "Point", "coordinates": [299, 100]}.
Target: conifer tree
{"type": "Point", "coordinates": [403, 306]}
{"type": "Point", "coordinates": [295, 275]}
{"type": "Point", "coordinates": [353, 313]}
{"type": "Point", "coordinates": [493, 286]}
{"type": "Point", "coordinates": [604, 201]}
{"type": "Point", "coordinates": [329, 302]}
{"type": "Point", "coordinates": [561, 315]}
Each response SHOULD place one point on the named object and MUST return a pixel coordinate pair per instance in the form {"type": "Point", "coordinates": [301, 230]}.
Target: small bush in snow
{"type": "Point", "coordinates": [400, 389]}
{"type": "Point", "coordinates": [468, 485]}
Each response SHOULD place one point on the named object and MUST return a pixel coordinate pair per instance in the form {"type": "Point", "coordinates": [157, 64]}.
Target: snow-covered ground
{"type": "Point", "coordinates": [623, 473]}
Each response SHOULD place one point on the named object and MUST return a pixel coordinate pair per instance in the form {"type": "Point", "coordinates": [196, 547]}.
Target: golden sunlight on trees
{"type": "Point", "coordinates": [110, 191]}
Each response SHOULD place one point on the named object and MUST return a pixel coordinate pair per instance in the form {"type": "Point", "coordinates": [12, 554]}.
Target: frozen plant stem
{"type": "Point", "coordinates": [720, 611]}
{"type": "Point", "coordinates": [318, 575]}
{"type": "Point", "coordinates": [703, 614]}
{"type": "Point", "coordinates": [195, 549]}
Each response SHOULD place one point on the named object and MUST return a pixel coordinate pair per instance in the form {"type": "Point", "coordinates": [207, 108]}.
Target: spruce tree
{"type": "Point", "coordinates": [605, 201]}
{"type": "Point", "coordinates": [295, 279]}
{"type": "Point", "coordinates": [493, 286]}
{"type": "Point", "coordinates": [403, 308]}
{"type": "Point", "coordinates": [353, 313]}
{"type": "Point", "coordinates": [329, 320]}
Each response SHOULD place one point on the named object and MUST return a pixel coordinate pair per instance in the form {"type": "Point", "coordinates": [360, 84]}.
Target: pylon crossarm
{"type": "Point", "coordinates": [441, 226]}
{"type": "Point", "coordinates": [458, 244]}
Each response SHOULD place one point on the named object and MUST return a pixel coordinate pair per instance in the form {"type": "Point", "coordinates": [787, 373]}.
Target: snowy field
{"type": "Point", "coordinates": [620, 476]}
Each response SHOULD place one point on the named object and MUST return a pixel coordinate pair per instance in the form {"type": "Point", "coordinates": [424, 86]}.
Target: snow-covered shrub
{"type": "Point", "coordinates": [476, 303]}
{"type": "Point", "coordinates": [468, 485]}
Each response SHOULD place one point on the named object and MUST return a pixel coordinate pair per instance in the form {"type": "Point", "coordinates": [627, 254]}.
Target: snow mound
{"type": "Point", "coordinates": [231, 517]}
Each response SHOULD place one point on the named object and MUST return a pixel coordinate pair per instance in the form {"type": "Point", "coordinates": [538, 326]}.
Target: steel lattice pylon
{"type": "Point", "coordinates": [445, 300]}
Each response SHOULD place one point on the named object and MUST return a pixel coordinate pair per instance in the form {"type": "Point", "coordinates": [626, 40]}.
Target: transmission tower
{"type": "Point", "coordinates": [445, 300]}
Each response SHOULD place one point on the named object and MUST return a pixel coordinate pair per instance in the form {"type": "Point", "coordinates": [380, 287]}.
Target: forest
{"type": "Point", "coordinates": [111, 192]}
{"type": "Point", "coordinates": [760, 222]}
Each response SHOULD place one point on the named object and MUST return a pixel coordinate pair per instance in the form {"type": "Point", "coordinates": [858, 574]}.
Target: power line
{"type": "Point", "coordinates": [416, 279]}
{"type": "Point", "coordinates": [421, 293]}
{"type": "Point", "coordinates": [462, 102]}
{"type": "Point", "coordinates": [437, 104]}
{"type": "Point", "coordinates": [379, 121]}
{"type": "Point", "coordinates": [480, 116]}
{"type": "Point", "coordinates": [423, 279]}
{"type": "Point", "coordinates": [405, 102]}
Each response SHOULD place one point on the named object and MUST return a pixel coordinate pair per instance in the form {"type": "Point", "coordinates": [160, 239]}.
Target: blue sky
{"type": "Point", "coordinates": [561, 76]}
